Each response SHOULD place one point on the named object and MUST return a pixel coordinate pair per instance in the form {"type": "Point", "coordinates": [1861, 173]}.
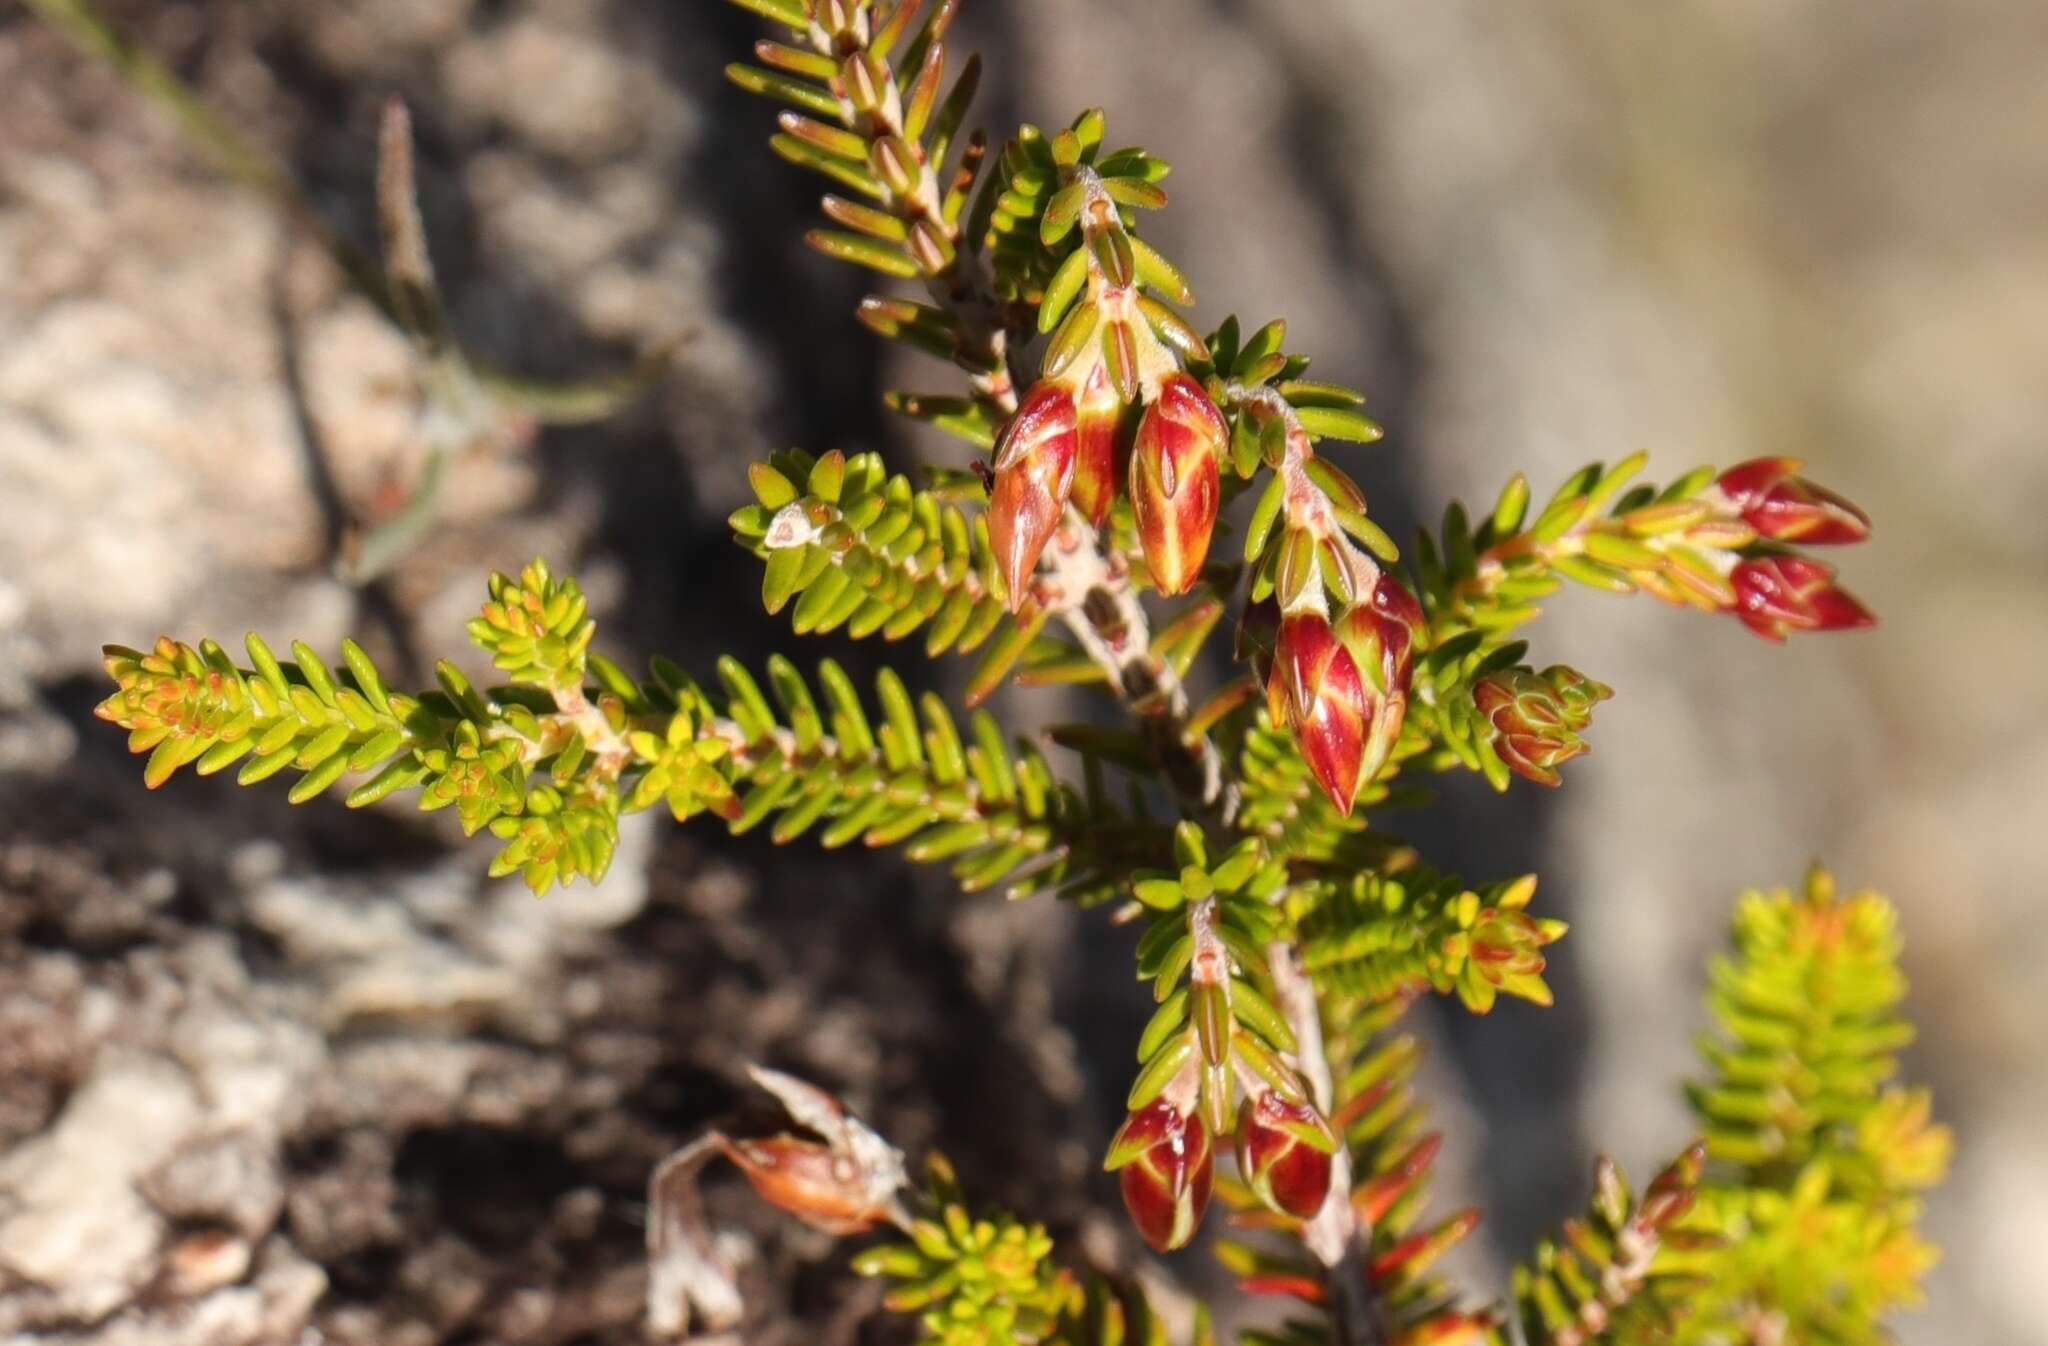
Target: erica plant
{"type": "Point", "coordinates": [1286, 926]}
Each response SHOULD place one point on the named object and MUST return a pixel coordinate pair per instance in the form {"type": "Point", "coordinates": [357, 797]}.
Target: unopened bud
{"type": "Point", "coordinates": [1314, 691]}
{"type": "Point", "coordinates": [1165, 1167]}
{"type": "Point", "coordinates": [1175, 481]}
{"type": "Point", "coordinates": [1099, 409]}
{"type": "Point", "coordinates": [1776, 595]}
{"type": "Point", "coordinates": [1283, 1153]}
{"type": "Point", "coordinates": [1381, 632]}
{"type": "Point", "coordinates": [1034, 467]}
{"type": "Point", "coordinates": [1783, 506]}
{"type": "Point", "coordinates": [1535, 721]}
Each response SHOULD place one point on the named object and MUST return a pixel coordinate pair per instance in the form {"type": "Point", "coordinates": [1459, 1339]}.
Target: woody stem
{"type": "Point", "coordinates": [1334, 1236]}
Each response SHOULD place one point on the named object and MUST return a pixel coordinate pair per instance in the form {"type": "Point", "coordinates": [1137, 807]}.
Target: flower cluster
{"type": "Point", "coordinates": [1342, 687]}
{"type": "Point", "coordinates": [1063, 447]}
{"type": "Point", "coordinates": [1218, 1056]}
{"type": "Point", "coordinates": [1165, 1162]}
{"type": "Point", "coordinates": [1780, 592]}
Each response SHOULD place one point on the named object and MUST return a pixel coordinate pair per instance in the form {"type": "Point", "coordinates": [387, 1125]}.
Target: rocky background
{"type": "Point", "coordinates": [271, 1074]}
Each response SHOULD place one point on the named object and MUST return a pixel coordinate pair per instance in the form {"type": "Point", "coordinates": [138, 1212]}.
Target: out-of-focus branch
{"type": "Point", "coordinates": [847, 1181]}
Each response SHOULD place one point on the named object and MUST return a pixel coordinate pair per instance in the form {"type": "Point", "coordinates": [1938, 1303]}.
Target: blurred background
{"type": "Point", "coordinates": [264, 1070]}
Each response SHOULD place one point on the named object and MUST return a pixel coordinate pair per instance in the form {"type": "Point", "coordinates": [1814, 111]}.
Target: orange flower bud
{"type": "Point", "coordinates": [1099, 411]}
{"type": "Point", "coordinates": [1783, 506]}
{"type": "Point", "coordinates": [1775, 595]}
{"type": "Point", "coordinates": [1315, 692]}
{"type": "Point", "coordinates": [1165, 1167]}
{"type": "Point", "coordinates": [1381, 632]}
{"type": "Point", "coordinates": [820, 1186]}
{"type": "Point", "coordinates": [1034, 467]}
{"type": "Point", "coordinates": [1175, 482]}
{"type": "Point", "coordinates": [1283, 1153]}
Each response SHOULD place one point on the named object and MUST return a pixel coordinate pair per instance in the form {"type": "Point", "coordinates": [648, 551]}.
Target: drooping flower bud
{"type": "Point", "coordinates": [1535, 721]}
{"type": "Point", "coordinates": [1165, 1167]}
{"type": "Point", "coordinates": [1099, 410]}
{"type": "Point", "coordinates": [1314, 691]}
{"type": "Point", "coordinates": [820, 1186]}
{"type": "Point", "coordinates": [1776, 595]}
{"type": "Point", "coordinates": [1783, 506]}
{"type": "Point", "coordinates": [1381, 632]}
{"type": "Point", "coordinates": [1283, 1153]}
{"type": "Point", "coordinates": [1034, 467]}
{"type": "Point", "coordinates": [1175, 481]}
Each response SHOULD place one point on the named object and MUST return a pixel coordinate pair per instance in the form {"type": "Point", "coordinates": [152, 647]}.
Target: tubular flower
{"type": "Point", "coordinates": [1099, 409]}
{"type": "Point", "coordinates": [1776, 595]}
{"type": "Point", "coordinates": [1175, 482]}
{"type": "Point", "coordinates": [1165, 1167]}
{"type": "Point", "coordinates": [1783, 506]}
{"type": "Point", "coordinates": [1315, 692]}
{"type": "Point", "coordinates": [1536, 720]}
{"type": "Point", "coordinates": [1034, 467]}
{"type": "Point", "coordinates": [1283, 1153]}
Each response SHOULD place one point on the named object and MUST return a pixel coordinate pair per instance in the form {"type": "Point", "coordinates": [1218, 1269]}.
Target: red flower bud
{"type": "Point", "coordinates": [1034, 467]}
{"type": "Point", "coordinates": [1099, 411]}
{"type": "Point", "coordinates": [822, 1187]}
{"type": "Point", "coordinates": [1283, 1153]}
{"type": "Point", "coordinates": [1165, 1167]}
{"type": "Point", "coordinates": [1785, 507]}
{"type": "Point", "coordinates": [1381, 632]}
{"type": "Point", "coordinates": [1775, 595]}
{"type": "Point", "coordinates": [1315, 692]}
{"type": "Point", "coordinates": [1536, 720]}
{"type": "Point", "coordinates": [1174, 480]}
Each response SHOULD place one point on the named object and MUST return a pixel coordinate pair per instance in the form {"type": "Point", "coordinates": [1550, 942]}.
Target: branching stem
{"type": "Point", "coordinates": [1088, 587]}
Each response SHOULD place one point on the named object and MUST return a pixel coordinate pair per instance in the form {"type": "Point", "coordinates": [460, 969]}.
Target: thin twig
{"type": "Point", "coordinates": [1090, 591]}
{"type": "Point", "coordinates": [1336, 1236]}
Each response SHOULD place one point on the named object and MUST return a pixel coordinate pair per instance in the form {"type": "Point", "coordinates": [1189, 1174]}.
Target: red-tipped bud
{"type": "Point", "coordinates": [1315, 692]}
{"type": "Point", "coordinates": [1034, 468]}
{"type": "Point", "coordinates": [823, 1188]}
{"type": "Point", "coordinates": [1776, 595]}
{"type": "Point", "coordinates": [1783, 506]}
{"type": "Point", "coordinates": [1535, 721]}
{"type": "Point", "coordinates": [1381, 633]}
{"type": "Point", "coordinates": [1164, 1164]}
{"type": "Point", "coordinates": [1175, 482]}
{"type": "Point", "coordinates": [1099, 410]}
{"type": "Point", "coordinates": [1283, 1153]}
